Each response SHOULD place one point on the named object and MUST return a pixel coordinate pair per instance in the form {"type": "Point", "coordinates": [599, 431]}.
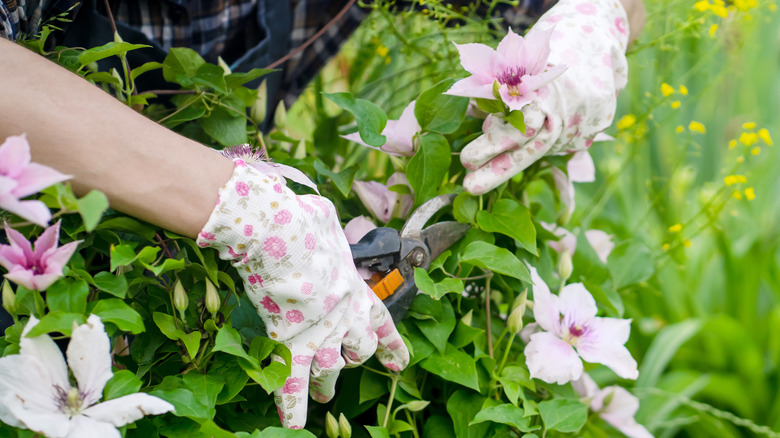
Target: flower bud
{"type": "Point", "coordinates": [180, 298]}
{"type": "Point", "coordinates": [331, 426]}
{"type": "Point", "coordinates": [565, 266]}
{"type": "Point", "coordinates": [515, 321]}
{"type": "Point", "coordinates": [344, 427]}
{"type": "Point", "coordinates": [9, 298]}
{"type": "Point", "coordinates": [417, 405]}
{"type": "Point", "coordinates": [520, 300]}
{"type": "Point", "coordinates": [212, 298]}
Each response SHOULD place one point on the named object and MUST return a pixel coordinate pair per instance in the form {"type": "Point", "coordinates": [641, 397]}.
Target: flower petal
{"type": "Point", "coordinates": [479, 60]}
{"type": "Point", "coordinates": [601, 242]}
{"type": "Point", "coordinates": [14, 155]}
{"type": "Point", "coordinates": [576, 305]}
{"type": "Point", "coordinates": [603, 342]}
{"type": "Point", "coordinates": [377, 198]}
{"type": "Point", "coordinates": [7, 185]}
{"type": "Point", "coordinates": [472, 87]}
{"type": "Point", "coordinates": [545, 304]}
{"type": "Point", "coordinates": [586, 387]}
{"type": "Point", "coordinates": [357, 228]}
{"type": "Point", "coordinates": [90, 359]}
{"type": "Point", "coordinates": [32, 210]}
{"type": "Point", "coordinates": [567, 240]}
{"type": "Point", "coordinates": [17, 240]}
{"type": "Point", "coordinates": [537, 49]}
{"type": "Point", "coordinates": [47, 240]}
{"type": "Point", "coordinates": [53, 371]}
{"type": "Point", "coordinates": [400, 133]}
{"type": "Point", "coordinates": [512, 51]}
{"type": "Point", "coordinates": [49, 423]}
{"type": "Point", "coordinates": [85, 427]}
{"type": "Point", "coordinates": [22, 276]}
{"type": "Point", "coordinates": [35, 177]}
{"type": "Point", "coordinates": [128, 409]}
{"type": "Point", "coordinates": [19, 389]}
{"type": "Point", "coordinates": [581, 168]}
{"type": "Point", "coordinates": [550, 359]}
{"type": "Point", "coordinates": [621, 410]}
{"type": "Point", "coordinates": [534, 82]}
{"type": "Point", "coordinates": [405, 202]}
{"type": "Point", "coordinates": [55, 259]}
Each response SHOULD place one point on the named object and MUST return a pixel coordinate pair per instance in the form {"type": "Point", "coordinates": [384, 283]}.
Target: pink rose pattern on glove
{"type": "Point", "coordinates": [298, 272]}
{"type": "Point", "coordinates": [590, 38]}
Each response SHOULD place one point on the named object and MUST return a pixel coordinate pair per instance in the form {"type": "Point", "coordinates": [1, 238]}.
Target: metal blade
{"type": "Point", "coordinates": [439, 237]}
{"type": "Point", "coordinates": [422, 215]}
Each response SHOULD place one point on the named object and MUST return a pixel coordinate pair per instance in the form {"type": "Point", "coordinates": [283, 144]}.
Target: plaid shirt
{"type": "Point", "coordinates": [227, 27]}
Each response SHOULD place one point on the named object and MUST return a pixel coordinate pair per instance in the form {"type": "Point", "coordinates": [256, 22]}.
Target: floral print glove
{"type": "Point", "coordinates": [298, 272]}
{"type": "Point", "coordinates": [589, 37]}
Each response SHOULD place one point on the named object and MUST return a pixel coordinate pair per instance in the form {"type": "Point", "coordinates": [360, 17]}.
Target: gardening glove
{"type": "Point", "coordinates": [589, 37]}
{"type": "Point", "coordinates": [298, 272]}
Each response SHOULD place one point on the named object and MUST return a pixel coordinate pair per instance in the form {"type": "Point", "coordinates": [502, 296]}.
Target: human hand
{"type": "Point", "coordinates": [298, 272]}
{"type": "Point", "coordinates": [589, 38]}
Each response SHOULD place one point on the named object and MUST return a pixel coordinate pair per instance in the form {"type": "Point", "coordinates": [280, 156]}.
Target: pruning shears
{"type": "Point", "coordinates": [392, 255]}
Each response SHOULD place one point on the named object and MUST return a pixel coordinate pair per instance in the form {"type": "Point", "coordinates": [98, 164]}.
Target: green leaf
{"type": "Point", "coordinates": [512, 379]}
{"type": "Point", "coordinates": [167, 326]}
{"type": "Point", "coordinates": [454, 365]}
{"type": "Point", "coordinates": [233, 80]}
{"type": "Point", "coordinates": [275, 374]}
{"type": "Point", "coordinates": [149, 66]}
{"type": "Point", "coordinates": [342, 180]}
{"type": "Point", "coordinates": [107, 50]}
{"type": "Point", "coordinates": [512, 219]}
{"type": "Point", "coordinates": [464, 208]}
{"type": "Point", "coordinates": [505, 414]}
{"type": "Point", "coordinates": [116, 285]}
{"type": "Point", "coordinates": [118, 312]}
{"type": "Point", "coordinates": [123, 382]}
{"type": "Point", "coordinates": [372, 386]}
{"type": "Point", "coordinates": [128, 224]}
{"type": "Point", "coordinates": [184, 402]}
{"type": "Point", "coordinates": [516, 119]}
{"type": "Point", "coordinates": [228, 369]}
{"type": "Point", "coordinates": [206, 388]}
{"type": "Point", "coordinates": [463, 406]}
{"type": "Point", "coordinates": [57, 321]}
{"type": "Point", "coordinates": [181, 65]}
{"type": "Point", "coordinates": [438, 330]}
{"type": "Point", "coordinates": [378, 432]}
{"type": "Point", "coordinates": [68, 295]}
{"type": "Point", "coordinates": [229, 341]}
{"type": "Point", "coordinates": [370, 118]}
{"type": "Point", "coordinates": [428, 167]}
{"type": "Point", "coordinates": [491, 105]}
{"type": "Point", "coordinates": [663, 349]}
{"type": "Point", "coordinates": [91, 208]}
{"type": "Point", "coordinates": [630, 263]}
{"type": "Point", "coordinates": [187, 108]}
{"type": "Point", "coordinates": [103, 76]}
{"type": "Point", "coordinates": [167, 265]}
{"type": "Point", "coordinates": [211, 76]}
{"type": "Point", "coordinates": [496, 259]}
{"type": "Point", "coordinates": [124, 255]}
{"type": "Point", "coordinates": [464, 334]}
{"type": "Point", "coordinates": [563, 415]}
{"type": "Point", "coordinates": [439, 112]}
{"type": "Point", "coordinates": [224, 126]}
{"type": "Point", "coordinates": [436, 290]}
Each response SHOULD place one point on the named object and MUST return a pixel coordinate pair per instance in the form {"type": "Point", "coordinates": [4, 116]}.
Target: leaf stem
{"type": "Point", "coordinates": [487, 316]}
{"type": "Point", "coordinates": [395, 378]}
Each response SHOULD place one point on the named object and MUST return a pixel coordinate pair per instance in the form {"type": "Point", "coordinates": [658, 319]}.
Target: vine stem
{"type": "Point", "coordinates": [487, 310]}
{"type": "Point", "coordinates": [506, 352]}
{"type": "Point", "coordinates": [390, 400]}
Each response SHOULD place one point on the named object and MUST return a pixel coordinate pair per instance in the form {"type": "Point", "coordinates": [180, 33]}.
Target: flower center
{"type": "Point", "coordinates": [246, 152]}
{"type": "Point", "coordinates": [574, 333]}
{"type": "Point", "coordinates": [512, 78]}
{"type": "Point", "coordinates": [70, 401]}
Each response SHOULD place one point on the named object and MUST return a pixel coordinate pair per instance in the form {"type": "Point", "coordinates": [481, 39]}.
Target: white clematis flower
{"type": "Point", "coordinates": [570, 331]}
{"type": "Point", "coordinates": [613, 404]}
{"type": "Point", "coordinates": [36, 393]}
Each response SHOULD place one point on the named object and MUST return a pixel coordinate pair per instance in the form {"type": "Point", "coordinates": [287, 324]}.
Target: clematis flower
{"type": "Point", "coordinates": [580, 169]}
{"type": "Point", "coordinates": [256, 158]}
{"type": "Point", "coordinates": [399, 134]}
{"type": "Point", "coordinates": [36, 393]}
{"type": "Point", "coordinates": [19, 178]}
{"type": "Point", "coordinates": [519, 65]}
{"type": "Point", "coordinates": [613, 404]}
{"type": "Point", "coordinates": [571, 330]}
{"type": "Point", "coordinates": [37, 268]}
{"type": "Point", "coordinates": [600, 241]}
{"type": "Point", "coordinates": [355, 230]}
{"type": "Point", "coordinates": [382, 202]}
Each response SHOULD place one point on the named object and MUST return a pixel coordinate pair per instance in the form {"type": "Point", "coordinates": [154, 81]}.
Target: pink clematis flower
{"type": "Point", "coordinates": [580, 169]}
{"type": "Point", "coordinates": [383, 203]}
{"type": "Point", "coordinates": [613, 404]}
{"type": "Point", "coordinates": [19, 178]}
{"type": "Point", "coordinates": [399, 134]}
{"type": "Point", "coordinates": [571, 330]}
{"type": "Point", "coordinates": [256, 158]}
{"type": "Point", "coordinates": [37, 268]}
{"type": "Point", "coordinates": [519, 65]}
{"type": "Point", "coordinates": [600, 241]}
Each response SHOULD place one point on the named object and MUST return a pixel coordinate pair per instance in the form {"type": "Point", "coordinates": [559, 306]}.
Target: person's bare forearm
{"type": "Point", "coordinates": [146, 170]}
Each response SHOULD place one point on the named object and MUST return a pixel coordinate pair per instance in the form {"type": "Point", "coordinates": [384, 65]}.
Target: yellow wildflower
{"type": "Point", "coordinates": [676, 228]}
{"type": "Point", "coordinates": [772, 7]}
{"type": "Point", "coordinates": [737, 195]}
{"type": "Point", "coordinates": [748, 138]}
{"type": "Point", "coordinates": [734, 179]}
{"type": "Point", "coordinates": [697, 127]}
{"type": "Point", "coordinates": [626, 122]}
{"type": "Point", "coordinates": [675, 104]}
{"type": "Point", "coordinates": [666, 89]}
{"type": "Point", "coordinates": [702, 5]}
{"type": "Point", "coordinates": [749, 125]}
{"type": "Point", "coordinates": [683, 90]}
{"type": "Point", "coordinates": [382, 51]}
{"type": "Point", "coordinates": [665, 247]}
{"type": "Point", "coordinates": [679, 129]}
{"type": "Point", "coordinates": [713, 29]}
{"type": "Point", "coordinates": [763, 134]}
{"type": "Point", "coordinates": [740, 159]}
{"type": "Point", "coordinates": [756, 150]}
{"type": "Point", "coordinates": [720, 11]}
{"type": "Point", "coordinates": [687, 243]}
{"type": "Point", "coordinates": [732, 144]}
{"type": "Point", "coordinates": [750, 194]}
